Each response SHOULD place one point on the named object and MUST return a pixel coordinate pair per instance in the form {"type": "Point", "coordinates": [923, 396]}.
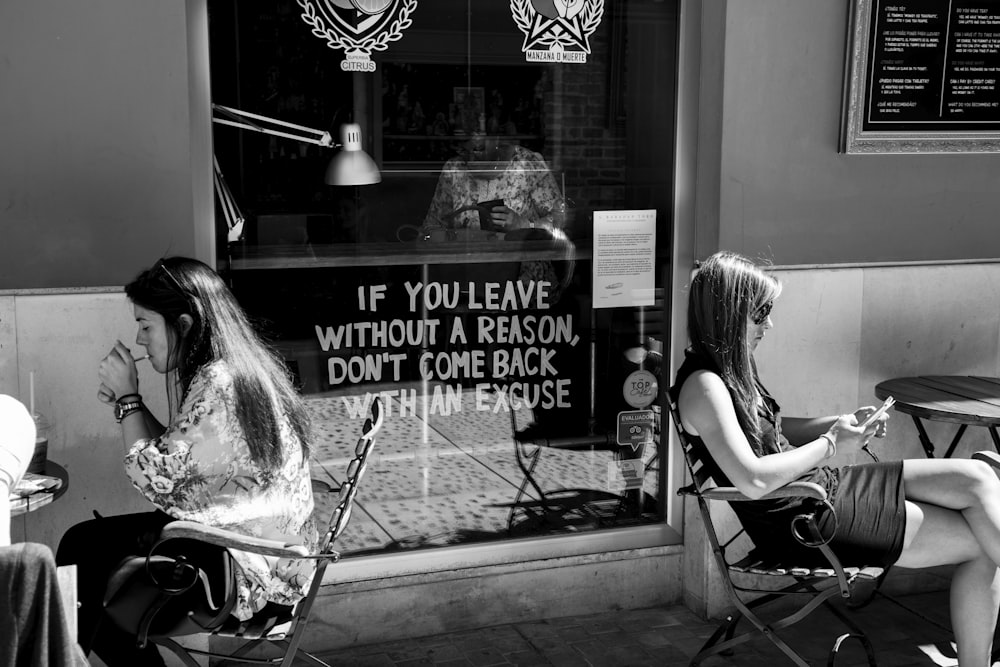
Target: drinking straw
{"type": "Point", "coordinates": [31, 391]}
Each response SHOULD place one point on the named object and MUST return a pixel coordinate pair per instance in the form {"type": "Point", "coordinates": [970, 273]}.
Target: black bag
{"type": "Point", "coordinates": [190, 590]}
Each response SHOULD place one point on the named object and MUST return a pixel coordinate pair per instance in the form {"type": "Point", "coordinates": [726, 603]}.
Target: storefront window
{"type": "Point", "coordinates": [523, 395]}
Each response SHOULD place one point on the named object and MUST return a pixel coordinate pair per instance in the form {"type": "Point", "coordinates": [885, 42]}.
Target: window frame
{"type": "Point", "coordinates": [682, 254]}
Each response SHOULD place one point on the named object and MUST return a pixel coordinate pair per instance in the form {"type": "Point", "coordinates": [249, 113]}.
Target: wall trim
{"type": "Point", "coordinates": [60, 291]}
{"type": "Point", "coordinates": [880, 265]}
{"type": "Point", "coordinates": [348, 584]}
{"type": "Point", "coordinates": [523, 554]}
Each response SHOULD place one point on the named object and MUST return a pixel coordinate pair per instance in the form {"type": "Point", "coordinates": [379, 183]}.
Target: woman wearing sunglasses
{"type": "Point", "coordinates": [233, 452]}
{"type": "Point", "coordinates": [913, 513]}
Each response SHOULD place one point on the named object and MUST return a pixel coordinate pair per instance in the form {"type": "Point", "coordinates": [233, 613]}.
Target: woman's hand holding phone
{"type": "Point", "coordinates": [877, 415]}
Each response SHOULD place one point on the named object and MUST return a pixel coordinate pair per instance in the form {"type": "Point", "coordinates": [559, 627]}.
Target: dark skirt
{"type": "Point", "coordinates": [868, 530]}
{"type": "Point", "coordinates": [871, 514]}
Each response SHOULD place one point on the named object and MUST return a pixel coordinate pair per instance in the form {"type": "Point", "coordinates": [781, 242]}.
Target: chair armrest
{"type": "Point", "coordinates": [232, 540]}
{"type": "Point", "coordinates": [790, 490]}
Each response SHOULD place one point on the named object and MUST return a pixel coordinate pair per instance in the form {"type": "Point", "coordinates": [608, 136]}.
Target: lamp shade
{"type": "Point", "coordinates": [351, 165]}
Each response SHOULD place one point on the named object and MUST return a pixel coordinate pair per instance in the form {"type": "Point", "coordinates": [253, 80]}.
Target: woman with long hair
{"type": "Point", "coordinates": [233, 453]}
{"type": "Point", "coordinates": [913, 513]}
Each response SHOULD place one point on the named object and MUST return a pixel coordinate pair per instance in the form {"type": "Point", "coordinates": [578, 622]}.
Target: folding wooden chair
{"type": "Point", "coordinates": [277, 625]}
{"type": "Point", "coordinates": [817, 585]}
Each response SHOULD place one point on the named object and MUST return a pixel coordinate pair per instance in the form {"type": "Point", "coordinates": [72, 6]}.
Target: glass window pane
{"type": "Point", "coordinates": [460, 288]}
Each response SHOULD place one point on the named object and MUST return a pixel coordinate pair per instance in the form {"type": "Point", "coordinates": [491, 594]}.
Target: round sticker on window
{"type": "Point", "coordinates": [640, 389]}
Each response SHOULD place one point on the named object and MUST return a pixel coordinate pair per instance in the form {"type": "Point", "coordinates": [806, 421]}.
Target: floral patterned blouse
{"type": "Point", "coordinates": [200, 470]}
{"type": "Point", "coordinates": [526, 185]}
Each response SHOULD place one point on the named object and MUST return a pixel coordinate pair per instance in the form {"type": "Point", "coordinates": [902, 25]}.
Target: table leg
{"type": "Point", "coordinates": [954, 441]}
{"type": "Point", "coordinates": [924, 440]}
{"type": "Point", "coordinates": [929, 446]}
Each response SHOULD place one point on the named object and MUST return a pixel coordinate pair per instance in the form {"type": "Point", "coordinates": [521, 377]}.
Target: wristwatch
{"type": "Point", "coordinates": [123, 410]}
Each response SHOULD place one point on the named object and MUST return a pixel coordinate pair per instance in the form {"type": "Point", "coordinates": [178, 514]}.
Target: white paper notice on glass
{"type": "Point", "coordinates": [624, 258]}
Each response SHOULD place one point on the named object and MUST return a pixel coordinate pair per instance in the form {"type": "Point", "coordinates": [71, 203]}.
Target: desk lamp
{"type": "Point", "coordinates": [349, 166]}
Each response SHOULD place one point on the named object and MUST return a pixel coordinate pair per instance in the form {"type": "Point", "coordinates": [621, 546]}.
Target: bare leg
{"type": "Point", "coordinates": [970, 487]}
{"type": "Point", "coordinates": [975, 599]}
{"type": "Point", "coordinates": [957, 523]}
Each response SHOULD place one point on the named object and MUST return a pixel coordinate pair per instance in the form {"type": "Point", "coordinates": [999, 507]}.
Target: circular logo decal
{"type": "Point", "coordinates": [371, 7]}
{"type": "Point", "coordinates": [640, 389]}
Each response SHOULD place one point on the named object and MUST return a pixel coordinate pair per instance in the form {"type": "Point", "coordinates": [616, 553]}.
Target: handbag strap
{"type": "Point", "coordinates": [183, 577]}
{"type": "Point", "coordinates": [181, 565]}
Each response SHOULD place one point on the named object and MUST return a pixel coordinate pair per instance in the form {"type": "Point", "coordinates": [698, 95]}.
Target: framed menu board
{"type": "Point", "coordinates": [922, 77]}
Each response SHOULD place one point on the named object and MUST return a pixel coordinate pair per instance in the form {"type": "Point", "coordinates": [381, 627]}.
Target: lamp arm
{"type": "Point", "coordinates": [230, 209]}
{"type": "Point", "coordinates": [351, 166]}
{"type": "Point", "coordinates": [310, 135]}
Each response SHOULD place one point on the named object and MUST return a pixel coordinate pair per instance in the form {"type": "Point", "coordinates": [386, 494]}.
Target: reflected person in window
{"type": "Point", "coordinates": [515, 181]}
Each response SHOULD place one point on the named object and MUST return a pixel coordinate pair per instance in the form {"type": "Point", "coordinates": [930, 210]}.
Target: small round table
{"type": "Point", "coordinates": [25, 504]}
{"type": "Point", "coordinates": [959, 399]}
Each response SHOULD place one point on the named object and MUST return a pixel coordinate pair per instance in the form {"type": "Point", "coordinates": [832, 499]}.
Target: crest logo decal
{"type": "Point", "coordinates": [359, 27]}
{"type": "Point", "coordinates": [557, 30]}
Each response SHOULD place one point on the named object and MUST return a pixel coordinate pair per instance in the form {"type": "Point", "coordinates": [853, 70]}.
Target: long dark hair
{"type": "Point", "coordinates": [220, 331]}
{"type": "Point", "coordinates": [725, 291]}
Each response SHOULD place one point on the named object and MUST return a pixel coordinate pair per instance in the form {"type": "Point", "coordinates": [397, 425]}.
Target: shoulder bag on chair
{"type": "Point", "coordinates": [172, 595]}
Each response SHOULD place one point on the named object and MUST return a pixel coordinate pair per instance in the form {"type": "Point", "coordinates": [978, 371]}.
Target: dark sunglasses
{"type": "Point", "coordinates": [173, 281]}
{"type": "Point", "coordinates": [761, 313]}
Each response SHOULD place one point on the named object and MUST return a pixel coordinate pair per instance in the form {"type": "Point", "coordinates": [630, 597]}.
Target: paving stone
{"type": "Point", "coordinates": [566, 658]}
{"type": "Point", "coordinates": [415, 662]}
{"type": "Point", "coordinates": [527, 659]}
{"type": "Point", "coordinates": [512, 644]}
{"type": "Point", "coordinates": [486, 656]}
{"type": "Point", "coordinates": [572, 633]}
{"type": "Point", "coordinates": [599, 626]}
{"type": "Point", "coordinates": [655, 637]}
{"type": "Point", "coordinates": [370, 660]}
{"type": "Point", "coordinates": [549, 643]}
{"type": "Point", "coordinates": [532, 630]}
{"type": "Point", "coordinates": [444, 652]}
{"type": "Point", "coordinates": [405, 652]}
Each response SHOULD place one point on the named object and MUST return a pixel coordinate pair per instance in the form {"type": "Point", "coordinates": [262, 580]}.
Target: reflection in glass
{"type": "Point", "coordinates": [459, 288]}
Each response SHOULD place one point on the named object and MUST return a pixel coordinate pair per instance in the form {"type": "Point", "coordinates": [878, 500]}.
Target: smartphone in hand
{"type": "Point", "coordinates": [889, 402]}
{"type": "Point", "coordinates": [486, 214]}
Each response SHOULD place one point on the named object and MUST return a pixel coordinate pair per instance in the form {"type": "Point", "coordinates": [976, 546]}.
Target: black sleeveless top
{"type": "Point", "coordinates": [767, 522]}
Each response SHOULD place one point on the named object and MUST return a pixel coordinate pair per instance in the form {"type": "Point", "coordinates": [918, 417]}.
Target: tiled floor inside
{"type": "Point", "coordinates": [437, 479]}
{"type": "Point", "coordinates": [669, 636]}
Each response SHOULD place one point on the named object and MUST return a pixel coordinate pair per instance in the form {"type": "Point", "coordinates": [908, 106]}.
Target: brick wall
{"type": "Point", "coordinates": [584, 143]}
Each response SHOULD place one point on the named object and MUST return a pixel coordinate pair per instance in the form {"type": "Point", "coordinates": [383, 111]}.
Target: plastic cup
{"type": "Point", "coordinates": [41, 453]}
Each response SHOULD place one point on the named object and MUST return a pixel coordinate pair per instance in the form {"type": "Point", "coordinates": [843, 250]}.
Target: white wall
{"type": "Point", "coordinates": [771, 180]}
{"type": "Point", "coordinates": [839, 332]}
{"type": "Point", "coordinates": [62, 338]}
{"type": "Point", "coordinates": [106, 153]}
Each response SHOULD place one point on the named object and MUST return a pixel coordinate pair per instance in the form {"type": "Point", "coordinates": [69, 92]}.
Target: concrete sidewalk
{"type": "Point", "coordinates": [670, 636]}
